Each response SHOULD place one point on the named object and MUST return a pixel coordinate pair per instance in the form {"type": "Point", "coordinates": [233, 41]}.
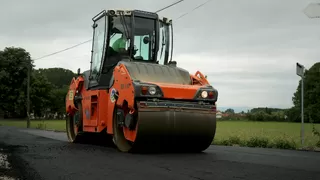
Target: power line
{"type": "Point", "coordinates": [169, 6]}
{"type": "Point", "coordinates": [175, 3]}
{"type": "Point", "coordinates": [194, 9]}
{"type": "Point", "coordinates": [63, 50]}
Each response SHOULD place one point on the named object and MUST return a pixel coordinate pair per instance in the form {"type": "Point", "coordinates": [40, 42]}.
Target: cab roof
{"type": "Point", "coordinates": [128, 12]}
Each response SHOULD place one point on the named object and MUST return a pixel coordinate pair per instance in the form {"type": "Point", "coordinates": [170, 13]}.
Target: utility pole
{"type": "Point", "coordinates": [28, 95]}
{"type": "Point", "coordinates": [300, 72]}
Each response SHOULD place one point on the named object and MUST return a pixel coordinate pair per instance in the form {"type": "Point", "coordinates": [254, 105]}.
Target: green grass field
{"type": "Point", "coordinates": [271, 130]}
{"type": "Point", "coordinates": [225, 129]}
{"type": "Point", "coordinates": [37, 124]}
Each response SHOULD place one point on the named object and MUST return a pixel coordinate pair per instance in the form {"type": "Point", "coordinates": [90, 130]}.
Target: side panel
{"type": "Point", "coordinates": [123, 84]}
{"type": "Point", "coordinates": [103, 110]}
{"type": "Point", "coordinates": [110, 112]}
{"type": "Point", "coordinates": [95, 110]}
{"type": "Point", "coordinates": [90, 109]}
{"type": "Point", "coordinates": [124, 88]}
{"type": "Point", "coordinates": [76, 84]}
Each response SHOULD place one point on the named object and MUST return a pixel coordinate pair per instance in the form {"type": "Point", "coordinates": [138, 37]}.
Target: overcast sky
{"type": "Point", "coordinates": [248, 48]}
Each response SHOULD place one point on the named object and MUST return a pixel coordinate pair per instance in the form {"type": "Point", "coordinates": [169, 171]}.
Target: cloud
{"type": "Point", "coordinates": [247, 79]}
{"type": "Point", "coordinates": [247, 48]}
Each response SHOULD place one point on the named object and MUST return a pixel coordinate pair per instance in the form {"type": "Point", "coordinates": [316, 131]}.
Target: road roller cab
{"type": "Point", "coordinates": [135, 94]}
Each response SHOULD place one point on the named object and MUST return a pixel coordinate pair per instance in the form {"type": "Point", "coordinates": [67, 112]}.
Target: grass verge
{"type": "Point", "coordinates": [280, 135]}
{"type": "Point", "coordinates": [260, 142]}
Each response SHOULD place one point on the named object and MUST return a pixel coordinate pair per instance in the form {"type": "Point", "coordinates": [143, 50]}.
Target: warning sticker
{"type": "Point", "coordinates": [112, 95]}
{"type": "Point", "coordinates": [71, 95]}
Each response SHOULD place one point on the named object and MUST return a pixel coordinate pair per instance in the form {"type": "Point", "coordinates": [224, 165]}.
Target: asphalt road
{"type": "Point", "coordinates": [34, 154]}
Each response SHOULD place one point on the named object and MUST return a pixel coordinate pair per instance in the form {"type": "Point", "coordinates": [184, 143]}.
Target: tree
{"type": "Point", "coordinates": [293, 114]}
{"type": "Point", "coordinates": [58, 100]}
{"type": "Point", "coordinates": [48, 87]}
{"type": "Point", "coordinates": [14, 64]}
{"type": "Point", "coordinates": [311, 94]}
{"type": "Point", "coordinates": [40, 94]}
{"type": "Point", "coordinates": [59, 77]}
{"type": "Point", "coordinates": [229, 111]}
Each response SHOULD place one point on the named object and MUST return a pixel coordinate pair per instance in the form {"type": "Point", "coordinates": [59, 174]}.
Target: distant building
{"type": "Point", "coordinates": [219, 114]}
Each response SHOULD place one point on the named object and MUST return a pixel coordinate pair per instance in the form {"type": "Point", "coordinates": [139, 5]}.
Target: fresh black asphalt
{"type": "Point", "coordinates": [36, 154]}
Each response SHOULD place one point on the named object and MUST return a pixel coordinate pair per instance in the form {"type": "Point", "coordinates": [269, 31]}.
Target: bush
{"type": "Point", "coordinates": [233, 140]}
{"type": "Point", "coordinates": [222, 142]}
{"type": "Point", "coordinates": [316, 132]}
{"type": "Point", "coordinates": [283, 144]}
{"type": "Point", "coordinates": [41, 126]}
{"type": "Point", "coordinates": [258, 142]}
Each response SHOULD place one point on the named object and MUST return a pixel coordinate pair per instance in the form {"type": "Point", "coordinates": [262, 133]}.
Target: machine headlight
{"type": "Point", "coordinates": [152, 90]}
{"type": "Point", "coordinates": [147, 90]}
{"type": "Point", "coordinates": [204, 94]}
{"type": "Point", "coordinates": [207, 94]}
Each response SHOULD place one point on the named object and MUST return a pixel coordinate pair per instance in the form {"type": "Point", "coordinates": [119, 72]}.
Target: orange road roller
{"type": "Point", "coordinates": [134, 93]}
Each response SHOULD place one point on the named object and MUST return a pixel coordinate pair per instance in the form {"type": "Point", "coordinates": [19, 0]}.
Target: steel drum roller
{"type": "Point", "coordinates": [167, 129]}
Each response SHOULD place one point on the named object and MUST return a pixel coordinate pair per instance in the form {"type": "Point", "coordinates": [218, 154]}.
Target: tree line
{"type": "Point", "coordinates": [48, 89]}
{"type": "Point", "coordinates": [293, 114]}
